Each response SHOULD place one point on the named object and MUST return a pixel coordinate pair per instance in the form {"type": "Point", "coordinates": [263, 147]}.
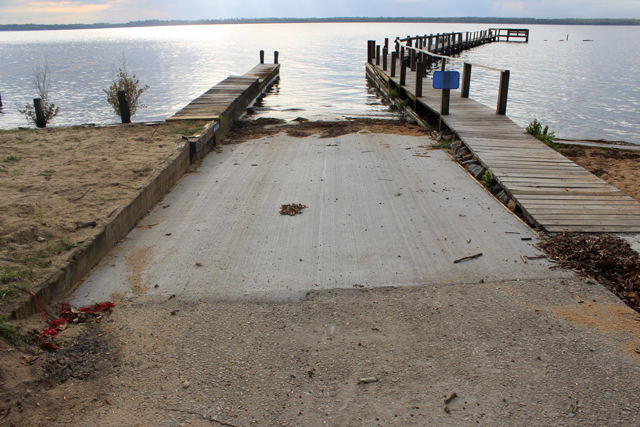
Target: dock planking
{"type": "Point", "coordinates": [227, 95]}
{"type": "Point", "coordinates": [553, 192]}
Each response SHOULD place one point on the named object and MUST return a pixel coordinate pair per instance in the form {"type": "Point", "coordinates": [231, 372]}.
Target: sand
{"type": "Point", "coordinates": [56, 180]}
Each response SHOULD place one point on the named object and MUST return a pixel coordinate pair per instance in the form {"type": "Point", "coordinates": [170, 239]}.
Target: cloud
{"type": "Point", "coordinates": [509, 5]}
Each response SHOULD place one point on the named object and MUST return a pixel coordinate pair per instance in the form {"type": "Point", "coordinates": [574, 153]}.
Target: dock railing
{"type": "Point", "coordinates": [419, 52]}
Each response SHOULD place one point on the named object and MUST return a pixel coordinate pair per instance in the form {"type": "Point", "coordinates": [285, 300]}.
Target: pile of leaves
{"type": "Point", "coordinates": [607, 259]}
{"type": "Point", "coordinates": [291, 209]}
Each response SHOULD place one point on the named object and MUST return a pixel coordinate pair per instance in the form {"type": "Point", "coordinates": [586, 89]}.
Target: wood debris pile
{"type": "Point", "coordinates": [607, 259]}
{"type": "Point", "coordinates": [291, 209]}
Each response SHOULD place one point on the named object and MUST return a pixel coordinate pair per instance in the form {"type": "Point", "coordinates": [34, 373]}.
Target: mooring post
{"type": "Point", "coordinates": [385, 52]}
{"type": "Point", "coordinates": [466, 80]}
{"type": "Point", "coordinates": [386, 43]}
{"type": "Point", "coordinates": [503, 92]}
{"type": "Point", "coordinates": [41, 122]}
{"type": "Point", "coordinates": [377, 54]}
{"type": "Point", "coordinates": [262, 56]}
{"type": "Point", "coordinates": [370, 49]}
{"type": "Point", "coordinates": [123, 105]}
{"type": "Point", "coordinates": [275, 57]}
{"type": "Point", "coordinates": [419, 75]}
{"type": "Point", "coordinates": [394, 57]}
{"type": "Point", "coordinates": [403, 72]}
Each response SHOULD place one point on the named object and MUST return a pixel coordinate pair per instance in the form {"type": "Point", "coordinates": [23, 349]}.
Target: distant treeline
{"type": "Point", "coordinates": [467, 20]}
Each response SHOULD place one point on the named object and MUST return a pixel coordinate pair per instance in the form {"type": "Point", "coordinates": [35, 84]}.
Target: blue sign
{"type": "Point", "coordinates": [446, 80]}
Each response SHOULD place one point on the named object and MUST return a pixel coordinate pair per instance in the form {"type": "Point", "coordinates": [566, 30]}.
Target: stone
{"type": "Point", "coordinates": [502, 196]}
{"type": "Point", "coordinates": [477, 171]}
{"type": "Point", "coordinates": [462, 151]}
{"type": "Point", "coordinates": [496, 189]}
{"type": "Point", "coordinates": [511, 204]}
{"type": "Point", "coordinates": [470, 162]}
{"type": "Point", "coordinates": [454, 146]}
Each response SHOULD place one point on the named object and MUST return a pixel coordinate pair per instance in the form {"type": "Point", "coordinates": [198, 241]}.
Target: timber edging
{"type": "Point", "coordinates": [84, 257]}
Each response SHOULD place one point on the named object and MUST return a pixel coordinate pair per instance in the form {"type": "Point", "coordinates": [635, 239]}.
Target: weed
{"type": "Point", "coordinates": [393, 93]}
{"type": "Point", "coordinates": [8, 131]}
{"type": "Point", "coordinates": [24, 141]}
{"type": "Point", "coordinates": [60, 245]}
{"type": "Point", "coordinates": [445, 143]}
{"type": "Point", "coordinates": [42, 84]}
{"type": "Point", "coordinates": [488, 179]}
{"type": "Point", "coordinates": [11, 158]}
{"type": "Point", "coordinates": [535, 129]}
{"type": "Point", "coordinates": [47, 173]}
{"type": "Point", "coordinates": [12, 290]}
{"type": "Point", "coordinates": [9, 274]}
{"type": "Point", "coordinates": [8, 332]}
{"type": "Point", "coordinates": [15, 172]}
{"type": "Point", "coordinates": [129, 84]}
{"type": "Point", "coordinates": [403, 104]}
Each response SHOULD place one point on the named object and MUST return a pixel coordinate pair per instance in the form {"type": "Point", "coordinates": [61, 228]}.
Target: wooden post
{"type": "Point", "coordinates": [262, 56]}
{"type": "Point", "coordinates": [394, 56]}
{"type": "Point", "coordinates": [377, 54]}
{"type": "Point", "coordinates": [385, 52]}
{"type": "Point", "coordinates": [412, 55]}
{"type": "Point", "coordinates": [123, 105]}
{"type": "Point", "coordinates": [403, 72]}
{"type": "Point", "coordinates": [466, 80]}
{"type": "Point", "coordinates": [409, 41]}
{"type": "Point", "coordinates": [386, 43]}
{"type": "Point", "coordinates": [503, 92]}
{"type": "Point", "coordinates": [41, 122]}
{"type": "Point", "coordinates": [0, 100]}
{"type": "Point", "coordinates": [437, 42]}
{"type": "Point", "coordinates": [429, 57]}
{"type": "Point", "coordinates": [275, 57]}
{"type": "Point", "coordinates": [402, 54]}
{"type": "Point", "coordinates": [370, 43]}
{"type": "Point", "coordinates": [419, 74]}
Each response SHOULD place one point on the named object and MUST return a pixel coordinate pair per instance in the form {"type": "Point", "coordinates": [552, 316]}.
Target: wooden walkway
{"type": "Point", "coordinates": [226, 95]}
{"type": "Point", "coordinates": [553, 192]}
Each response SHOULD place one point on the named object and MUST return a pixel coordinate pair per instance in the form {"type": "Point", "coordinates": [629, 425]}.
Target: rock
{"type": "Point", "coordinates": [502, 196]}
{"type": "Point", "coordinates": [454, 146]}
{"type": "Point", "coordinates": [462, 151]}
{"type": "Point", "coordinates": [470, 162]}
{"type": "Point", "coordinates": [496, 189]}
{"type": "Point", "coordinates": [477, 171]}
{"type": "Point", "coordinates": [511, 204]}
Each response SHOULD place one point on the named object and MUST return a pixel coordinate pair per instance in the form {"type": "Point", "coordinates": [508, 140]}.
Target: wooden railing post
{"type": "Point", "coordinates": [123, 105]}
{"type": "Point", "coordinates": [385, 52]}
{"type": "Point", "coordinates": [262, 56]}
{"type": "Point", "coordinates": [412, 55]}
{"type": "Point", "coordinates": [403, 72]}
{"type": "Point", "coordinates": [370, 43]}
{"type": "Point", "coordinates": [275, 57]}
{"type": "Point", "coordinates": [386, 43]}
{"type": "Point", "coordinates": [419, 76]}
{"type": "Point", "coordinates": [41, 122]}
{"type": "Point", "coordinates": [503, 92]}
{"type": "Point", "coordinates": [377, 54]}
{"type": "Point", "coordinates": [466, 80]}
{"type": "Point", "coordinates": [394, 56]}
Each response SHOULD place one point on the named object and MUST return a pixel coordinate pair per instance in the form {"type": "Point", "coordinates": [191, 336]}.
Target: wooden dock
{"type": "Point", "coordinates": [224, 99]}
{"type": "Point", "coordinates": [554, 193]}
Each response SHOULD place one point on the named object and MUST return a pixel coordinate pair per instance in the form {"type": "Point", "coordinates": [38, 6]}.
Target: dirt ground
{"type": "Point", "coordinates": [539, 353]}
{"type": "Point", "coordinates": [56, 179]}
{"type": "Point", "coordinates": [620, 168]}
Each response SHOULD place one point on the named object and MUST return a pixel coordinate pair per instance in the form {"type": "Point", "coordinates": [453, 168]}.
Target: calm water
{"type": "Point", "coordinates": [583, 90]}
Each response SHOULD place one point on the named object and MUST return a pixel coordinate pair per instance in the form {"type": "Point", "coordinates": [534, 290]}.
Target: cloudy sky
{"type": "Point", "coordinates": [92, 11]}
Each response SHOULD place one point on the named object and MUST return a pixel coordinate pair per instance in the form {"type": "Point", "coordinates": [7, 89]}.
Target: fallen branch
{"type": "Point", "coordinates": [450, 398]}
{"type": "Point", "coordinates": [85, 193]}
{"type": "Point", "coordinates": [467, 258]}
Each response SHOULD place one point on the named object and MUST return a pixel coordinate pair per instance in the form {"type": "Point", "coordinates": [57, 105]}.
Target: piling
{"type": "Point", "coordinates": [123, 105]}
{"type": "Point", "coordinates": [40, 119]}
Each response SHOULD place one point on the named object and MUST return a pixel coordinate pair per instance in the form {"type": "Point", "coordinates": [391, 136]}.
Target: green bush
{"type": "Point", "coordinates": [535, 129]}
{"type": "Point", "coordinates": [42, 85]}
{"type": "Point", "coordinates": [129, 83]}
{"type": "Point", "coordinates": [488, 179]}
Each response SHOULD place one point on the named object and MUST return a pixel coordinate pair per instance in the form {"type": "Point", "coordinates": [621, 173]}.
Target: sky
{"type": "Point", "coordinates": [118, 11]}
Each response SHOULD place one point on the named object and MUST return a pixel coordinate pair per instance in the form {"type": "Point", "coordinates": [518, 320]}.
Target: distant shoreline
{"type": "Point", "coordinates": [465, 20]}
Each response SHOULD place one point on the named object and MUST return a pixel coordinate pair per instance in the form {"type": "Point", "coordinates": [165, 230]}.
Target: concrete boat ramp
{"type": "Point", "coordinates": [381, 211]}
{"type": "Point", "coordinates": [282, 320]}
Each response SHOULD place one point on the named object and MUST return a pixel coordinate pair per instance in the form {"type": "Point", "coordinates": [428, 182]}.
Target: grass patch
{"type": "Point", "coordinates": [190, 127]}
{"type": "Point", "coordinates": [8, 332]}
{"type": "Point", "coordinates": [61, 245]}
{"type": "Point", "coordinates": [535, 129]}
{"type": "Point", "coordinates": [393, 93]}
{"type": "Point", "coordinates": [403, 104]}
{"type": "Point", "coordinates": [10, 274]}
{"type": "Point", "coordinates": [11, 158]}
{"type": "Point", "coordinates": [47, 173]}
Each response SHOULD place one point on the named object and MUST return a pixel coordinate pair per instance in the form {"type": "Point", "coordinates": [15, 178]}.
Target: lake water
{"type": "Point", "coordinates": [581, 89]}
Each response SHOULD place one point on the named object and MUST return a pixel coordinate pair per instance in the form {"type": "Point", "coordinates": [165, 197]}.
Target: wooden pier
{"type": "Point", "coordinates": [554, 193]}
